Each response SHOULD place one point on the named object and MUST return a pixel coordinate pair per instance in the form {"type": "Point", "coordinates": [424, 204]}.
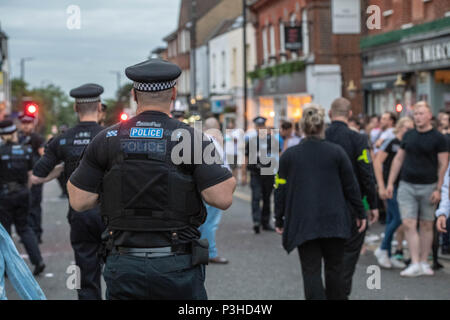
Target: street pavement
{"type": "Point", "coordinates": [259, 268]}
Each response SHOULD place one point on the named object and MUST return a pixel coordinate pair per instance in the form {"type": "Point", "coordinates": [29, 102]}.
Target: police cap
{"type": "Point", "coordinates": [7, 127]}
{"type": "Point", "coordinates": [87, 93]}
{"type": "Point", "coordinates": [259, 121]}
{"type": "Point", "coordinates": [153, 75]}
{"type": "Point", "coordinates": [26, 118]}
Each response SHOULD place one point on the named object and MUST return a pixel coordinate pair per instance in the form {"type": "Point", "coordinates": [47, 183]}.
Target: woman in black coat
{"type": "Point", "coordinates": [314, 187]}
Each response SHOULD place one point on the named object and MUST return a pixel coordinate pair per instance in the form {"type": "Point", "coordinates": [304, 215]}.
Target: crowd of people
{"type": "Point", "coordinates": [331, 183]}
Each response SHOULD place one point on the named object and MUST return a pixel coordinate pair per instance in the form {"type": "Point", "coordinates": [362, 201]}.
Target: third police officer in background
{"type": "Point", "coordinates": [258, 155]}
{"type": "Point", "coordinates": [28, 137]}
{"type": "Point", "coordinates": [85, 228]}
{"type": "Point", "coordinates": [151, 201]}
{"type": "Point", "coordinates": [357, 149]}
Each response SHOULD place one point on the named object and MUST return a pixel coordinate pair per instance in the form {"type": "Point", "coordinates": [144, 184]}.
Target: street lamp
{"type": "Point", "coordinates": [22, 67]}
{"type": "Point", "coordinates": [352, 89]}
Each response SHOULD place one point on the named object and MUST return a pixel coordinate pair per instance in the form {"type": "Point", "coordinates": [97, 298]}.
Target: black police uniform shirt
{"type": "Point", "coordinates": [16, 161]}
{"type": "Point", "coordinates": [96, 162]}
{"type": "Point", "coordinates": [357, 148]}
{"type": "Point", "coordinates": [391, 147]}
{"type": "Point", "coordinates": [421, 159]}
{"type": "Point", "coordinates": [68, 148]}
{"type": "Point", "coordinates": [35, 141]}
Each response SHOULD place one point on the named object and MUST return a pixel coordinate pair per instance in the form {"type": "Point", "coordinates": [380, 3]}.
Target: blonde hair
{"type": "Point", "coordinates": [401, 124]}
{"type": "Point", "coordinates": [422, 104]}
{"type": "Point", "coordinates": [313, 121]}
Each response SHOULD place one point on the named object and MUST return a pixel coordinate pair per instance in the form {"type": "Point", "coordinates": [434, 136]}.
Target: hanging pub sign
{"type": "Point", "coordinates": [293, 38]}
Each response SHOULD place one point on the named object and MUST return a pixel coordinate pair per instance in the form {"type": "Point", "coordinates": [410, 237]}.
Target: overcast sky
{"type": "Point", "coordinates": [113, 34]}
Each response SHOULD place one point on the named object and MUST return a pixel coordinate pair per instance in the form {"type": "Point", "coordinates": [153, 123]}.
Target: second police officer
{"type": "Point", "coordinates": [86, 227]}
{"type": "Point", "coordinates": [151, 200]}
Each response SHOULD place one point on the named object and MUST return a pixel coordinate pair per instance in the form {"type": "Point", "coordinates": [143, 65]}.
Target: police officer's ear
{"type": "Point", "coordinates": [133, 94]}
{"type": "Point", "coordinates": [350, 114]}
{"type": "Point", "coordinates": [174, 93]}
{"type": "Point", "coordinates": [99, 108]}
{"type": "Point", "coordinates": [75, 107]}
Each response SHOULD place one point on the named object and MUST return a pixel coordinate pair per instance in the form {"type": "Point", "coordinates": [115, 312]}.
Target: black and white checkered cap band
{"type": "Point", "coordinates": [154, 86]}
{"type": "Point", "coordinates": [88, 100]}
{"type": "Point", "coordinates": [8, 130]}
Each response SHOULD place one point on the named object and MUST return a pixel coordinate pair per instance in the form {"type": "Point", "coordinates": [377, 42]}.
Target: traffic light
{"type": "Point", "coordinates": [123, 116]}
{"type": "Point", "coordinates": [399, 108]}
{"type": "Point", "coordinates": [31, 109]}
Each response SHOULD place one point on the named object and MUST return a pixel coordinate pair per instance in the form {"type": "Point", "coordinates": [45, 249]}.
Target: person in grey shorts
{"type": "Point", "coordinates": [423, 160]}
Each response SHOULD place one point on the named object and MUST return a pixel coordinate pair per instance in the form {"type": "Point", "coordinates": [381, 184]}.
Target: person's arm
{"type": "Point", "coordinates": [442, 212]}
{"type": "Point", "coordinates": [55, 173]}
{"type": "Point", "coordinates": [220, 195]}
{"type": "Point", "coordinates": [81, 200]}
{"type": "Point", "coordinates": [442, 168]}
{"type": "Point", "coordinates": [351, 190]}
{"type": "Point", "coordinates": [395, 170]}
{"type": "Point", "coordinates": [378, 169]}
{"type": "Point", "coordinates": [365, 176]}
{"type": "Point", "coordinates": [46, 164]}
{"type": "Point", "coordinates": [280, 192]}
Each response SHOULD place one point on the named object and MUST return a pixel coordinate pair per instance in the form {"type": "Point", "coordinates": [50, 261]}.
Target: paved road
{"type": "Point", "coordinates": [259, 267]}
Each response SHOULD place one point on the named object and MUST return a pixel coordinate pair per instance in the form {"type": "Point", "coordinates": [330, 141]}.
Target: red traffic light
{"type": "Point", "coordinates": [123, 116]}
{"type": "Point", "coordinates": [399, 108]}
{"type": "Point", "coordinates": [31, 109]}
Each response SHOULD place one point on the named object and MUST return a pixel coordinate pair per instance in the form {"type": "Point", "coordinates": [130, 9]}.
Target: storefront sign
{"type": "Point", "coordinates": [293, 38]}
{"type": "Point", "coordinates": [428, 53]}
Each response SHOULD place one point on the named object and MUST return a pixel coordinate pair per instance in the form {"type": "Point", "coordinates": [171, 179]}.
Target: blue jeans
{"type": "Point", "coordinates": [18, 272]}
{"type": "Point", "coordinates": [393, 221]}
{"type": "Point", "coordinates": [209, 228]}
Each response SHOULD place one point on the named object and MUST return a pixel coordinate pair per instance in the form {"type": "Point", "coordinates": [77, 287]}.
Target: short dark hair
{"type": "Point", "coordinates": [84, 108]}
{"type": "Point", "coordinates": [393, 117]}
{"type": "Point", "coordinates": [286, 125]}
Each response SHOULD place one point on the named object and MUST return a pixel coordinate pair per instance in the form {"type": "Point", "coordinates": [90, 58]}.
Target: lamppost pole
{"type": "Point", "coordinates": [244, 50]}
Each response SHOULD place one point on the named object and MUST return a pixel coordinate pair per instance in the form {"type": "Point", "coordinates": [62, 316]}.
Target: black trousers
{"type": "Point", "coordinates": [85, 236]}
{"type": "Point", "coordinates": [353, 247]}
{"type": "Point", "coordinates": [166, 278]}
{"type": "Point", "coordinates": [35, 217]}
{"type": "Point", "coordinates": [262, 187]}
{"type": "Point", "coordinates": [14, 209]}
{"type": "Point", "coordinates": [311, 254]}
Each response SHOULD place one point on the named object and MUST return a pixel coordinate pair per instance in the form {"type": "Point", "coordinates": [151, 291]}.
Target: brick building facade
{"type": "Point", "coordinates": [321, 71]}
{"type": "Point", "coordinates": [407, 58]}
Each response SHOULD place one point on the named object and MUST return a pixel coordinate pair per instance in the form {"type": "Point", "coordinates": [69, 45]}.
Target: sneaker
{"type": "Point", "coordinates": [414, 270]}
{"type": "Point", "coordinates": [382, 258]}
{"type": "Point", "coordinates": [426, 269]}
{"type": "Point", "coordinates": [399, 255]}
{"type": "Point", "coordinates": [398, 264]}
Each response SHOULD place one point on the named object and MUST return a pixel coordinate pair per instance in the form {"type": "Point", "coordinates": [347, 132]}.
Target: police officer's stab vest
{"type": "Point", "coordinates": [73, 147]}
{"type": "Point", "coordinates": [144, 190]}
{"type": "Point", "coordinates": [14, 163]}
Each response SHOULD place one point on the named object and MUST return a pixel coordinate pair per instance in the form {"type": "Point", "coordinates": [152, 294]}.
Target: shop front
{"type": "Point", "coordinates": [414, 68]}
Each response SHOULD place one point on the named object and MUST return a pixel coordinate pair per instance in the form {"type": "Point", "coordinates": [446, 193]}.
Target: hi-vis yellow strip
{"type": "Point", "coordinates": [279, 181]}
{"type": "Point", "coordinates": [364, 157]}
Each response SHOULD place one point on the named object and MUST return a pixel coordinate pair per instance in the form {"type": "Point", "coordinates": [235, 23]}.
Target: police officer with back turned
{"type": "Point", "coordinates": [151, 200]}
{"type": "Point", "coordinates": [357, 149]}
{"type": "Point", "coordinates": [87, 227]}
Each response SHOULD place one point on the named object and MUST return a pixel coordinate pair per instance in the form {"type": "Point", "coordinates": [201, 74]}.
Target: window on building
{"type": "Point", "coordinates": [293, 22]}
{"type": "Point", "coordinates": [213, 71]}
{"type": "Point", "coordinates": [282, 42]}
{"type": "Point", "coordinates": [273, 52]}
{"type": "Point", "coordinates": [265, 46]}
{"type": "Point", "coordinates": [234, 68]}
{"type": "Point", "coordinates": [224, 82]}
